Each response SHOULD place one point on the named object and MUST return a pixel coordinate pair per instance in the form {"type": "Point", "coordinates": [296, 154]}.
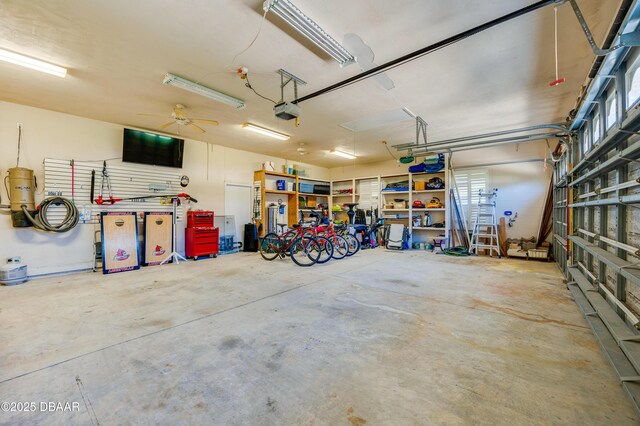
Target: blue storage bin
{"type": "Point", "coordinates": [280, 185]}
{"type": "Point", "coordinates": [306, 187]}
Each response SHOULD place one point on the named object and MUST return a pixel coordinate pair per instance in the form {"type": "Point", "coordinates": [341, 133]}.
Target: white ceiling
{"type": "Point", "coordinates": [117, 52]}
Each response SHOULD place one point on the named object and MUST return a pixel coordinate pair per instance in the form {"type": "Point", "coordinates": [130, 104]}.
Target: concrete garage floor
{"type": "Point", "coordinates": [391, 338]}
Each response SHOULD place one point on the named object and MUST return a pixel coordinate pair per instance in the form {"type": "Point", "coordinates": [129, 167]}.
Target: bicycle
{"type": "Point", "coordinates": [303, 249]}
{"type": "Point", "coordinates": [326, 246]}
{"type": "Point", "coordinates": [352, 242]}
{"type": "Point", "coordinates": [340, 244]}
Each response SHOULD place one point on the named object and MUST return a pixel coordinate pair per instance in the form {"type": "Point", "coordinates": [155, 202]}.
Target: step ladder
{"type": "Point", "coordinates": [485, 227]}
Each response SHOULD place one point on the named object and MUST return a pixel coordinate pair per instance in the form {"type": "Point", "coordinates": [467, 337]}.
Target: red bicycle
{"type": "Point", "coordinates": [304, 250]}
{"type": "Point", "coordinates": [328, 232]}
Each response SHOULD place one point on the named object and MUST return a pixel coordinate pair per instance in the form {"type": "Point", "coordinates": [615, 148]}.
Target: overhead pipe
{"type": "Point", "coordinates": [483, 143]}
{"type": "Point", "coordinates": [524, 138]}
{"type": "Point", "coordinates": [558, 127]}
{"type": "Point", "coordinates": [501, 163]}
{"type": "Point", "coordinates": [428, 49]}
{"type": "Point", "coordinates": [492, 145]}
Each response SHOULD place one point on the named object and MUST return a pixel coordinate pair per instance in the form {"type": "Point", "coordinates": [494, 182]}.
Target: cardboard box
{"type": "Point", "coordinates": [312, 202]}
{"type": "Point", "coordinates": [538, 253]}
{"type": "Point", "coordinates": [420, 186]}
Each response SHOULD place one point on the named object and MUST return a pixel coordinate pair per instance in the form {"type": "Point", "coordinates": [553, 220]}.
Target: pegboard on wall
{"type": "Point", "coordinates": [127, 181]}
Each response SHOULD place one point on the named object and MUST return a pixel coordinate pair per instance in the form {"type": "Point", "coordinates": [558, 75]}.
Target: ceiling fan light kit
{"type": "Point", "coordinates": [32, 63]}
{"type": "Point", "coordinates": [343, 154]}
{"type": "Point", "coordinates": [207, 92]}
{"type": "Point", "coordinates": [266, 132]}
{"type": "Point", "coordinates": [308, 28]}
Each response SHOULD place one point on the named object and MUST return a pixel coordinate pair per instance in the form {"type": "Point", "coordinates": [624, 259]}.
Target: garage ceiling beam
{"type": "Point", "coordinates": [429, 49]}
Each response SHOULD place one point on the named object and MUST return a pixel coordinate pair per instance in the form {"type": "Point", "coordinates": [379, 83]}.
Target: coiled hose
{"type": "Point", "coordinates": [40, 221]}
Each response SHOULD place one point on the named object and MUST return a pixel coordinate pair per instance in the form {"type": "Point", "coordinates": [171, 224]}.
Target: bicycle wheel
{"type": "Point", "coordinates": [270, 246]}
{"type": "Point", "coordinates": [305, 251]}
{"type": "Point", "coordinates": [326, 248]}
{"type": "Point", "coordinates": [340, 247]}
{"type": "Point", "coordinates": [353, 243]}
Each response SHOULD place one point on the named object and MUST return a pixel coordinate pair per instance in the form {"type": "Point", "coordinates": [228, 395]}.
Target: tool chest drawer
{"type": "Point", "coordinates": [201, 241]}
{"type": "Point", "coordinates": [200, 219]}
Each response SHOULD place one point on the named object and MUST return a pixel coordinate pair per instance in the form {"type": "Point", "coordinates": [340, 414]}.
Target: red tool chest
{"type": "Point", "coordinates": [199, 219]}
{"type": "Point", "coordinates": [201, 237]}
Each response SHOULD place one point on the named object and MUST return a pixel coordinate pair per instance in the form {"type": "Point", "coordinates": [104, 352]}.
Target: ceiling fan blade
{"type": "Point", "coordinates": [198, 128]}
{"type": "Point", "coordinates": [167, 124]}
{"type": "Point", "coordinates": [205, 121]}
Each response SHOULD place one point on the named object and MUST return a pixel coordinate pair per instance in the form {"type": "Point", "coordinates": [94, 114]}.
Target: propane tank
{"type": "Point", "coordinates": [21, 192]}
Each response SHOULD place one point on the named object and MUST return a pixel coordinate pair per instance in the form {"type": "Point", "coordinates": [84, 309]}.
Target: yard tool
{"type": "Point", "coordinates": [93, 184]}
{"type": "Point", "coordinates": [105, 178]}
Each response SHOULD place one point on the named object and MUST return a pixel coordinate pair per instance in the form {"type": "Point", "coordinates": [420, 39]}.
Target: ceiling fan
{"type": "Point", "coordinates": [179, 117]}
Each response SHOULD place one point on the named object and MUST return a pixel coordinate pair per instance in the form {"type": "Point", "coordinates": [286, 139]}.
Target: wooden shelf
{"type": "Point", "coordinates": [342, 195]}
{"type": "Point", "coordinates": [314, 180]}
{"type": "Point", "coordinates": [275, 191]}
{"type": "Point", "coordinates": [429, 190]}
{"type": "Point", "coordinates": [395, 210]}
{"type": "Point", "coordinates": [314, 195]}
{"type": "Point", "coordinates": [394, 192]}
{"type": "Point", "coordinates": [429, 210]}
{"type": "Point", "coordinates": [428, 228]}
{"type": "Point", "coordinates": [286, 175]}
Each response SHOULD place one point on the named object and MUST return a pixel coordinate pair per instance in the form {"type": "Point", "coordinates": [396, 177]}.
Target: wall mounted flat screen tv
{"type": "Point", "coordinates": [149, 148]}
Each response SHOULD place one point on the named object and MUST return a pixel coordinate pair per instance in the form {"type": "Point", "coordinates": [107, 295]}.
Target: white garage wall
{"type": "Point", "coordinates": [522, 187]}
{"type": "Point", "coordinates": [48, 134]}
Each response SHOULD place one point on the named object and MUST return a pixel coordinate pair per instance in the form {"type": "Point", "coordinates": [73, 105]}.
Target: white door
{"type": "Point", "coordinates": [237, 202]}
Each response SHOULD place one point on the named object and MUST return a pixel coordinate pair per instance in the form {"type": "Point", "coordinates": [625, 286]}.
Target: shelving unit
{"type": "Point", "coordinates": [311, 197]}
{"type": "Point", "coordinates": [405, 216]}
{"type": "Point", "coordinates": [361, 191]}
{"type": "Point", "coordinates": [268, 195]}
{"type": "Point", "coordinates": [290, 198]}
{"type": "Point", "coordinates": [336, 198]}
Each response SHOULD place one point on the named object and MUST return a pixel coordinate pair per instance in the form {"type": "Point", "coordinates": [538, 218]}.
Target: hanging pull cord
{"type": "Point", "coordinates": [555, 20]}
{"type": "Point", "coordinates": [558, 80]}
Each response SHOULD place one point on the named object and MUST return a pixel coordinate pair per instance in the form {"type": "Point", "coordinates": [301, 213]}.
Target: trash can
{"type": "Point", "coordinates": [250, 237]}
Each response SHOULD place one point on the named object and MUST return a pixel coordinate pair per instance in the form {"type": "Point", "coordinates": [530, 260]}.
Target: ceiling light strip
{"type": "Point", "coordinates": [264, 131]}
{"type": "Point", "coordinates": [32, 63]}
{"type": "Point", "coordinates": [307, 27]}
{"type": "Point", "coordinates": [207, 92]}
{"type": "Point", "coordinates": [316, 35]}
{"type": "Point", "coordinates": [343, 154]}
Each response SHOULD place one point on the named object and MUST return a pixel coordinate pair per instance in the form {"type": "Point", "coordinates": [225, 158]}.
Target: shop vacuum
{"type": "Point", "coordinates": [21, 190]}
{"type": "Point", "coordinates": [23, 208]}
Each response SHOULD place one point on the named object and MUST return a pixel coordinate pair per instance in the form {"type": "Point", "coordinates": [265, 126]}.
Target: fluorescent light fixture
{"type": "Point", "coordinates": [265, 131]}
{"type": "Point", "coordinates": [34, 64]}
{"type": "Point", "coordinates": [343, 154]}
{"type": "Point", "coordinates": [201, 90]}
{"type": "Point", "coordinates": [301, 22]}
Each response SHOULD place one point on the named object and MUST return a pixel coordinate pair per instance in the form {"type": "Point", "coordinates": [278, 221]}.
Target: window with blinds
{"type": "Point", "coordinates": [470, 183]}
{"type": "Point", "coordinates": [369, 191]}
